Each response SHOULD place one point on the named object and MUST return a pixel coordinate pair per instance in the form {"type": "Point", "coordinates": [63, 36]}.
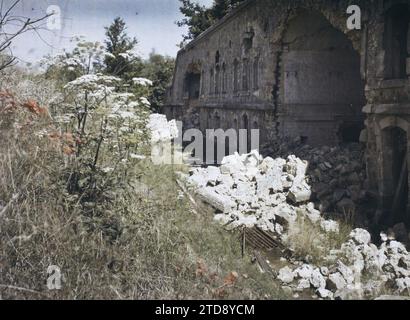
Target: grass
{"type": "Point", "coordinates": [309, 240]}
{"type": "Point", "coordinates": [144, 242]}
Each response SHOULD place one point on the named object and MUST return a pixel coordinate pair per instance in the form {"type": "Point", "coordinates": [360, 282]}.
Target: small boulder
{"type": "Point", "coordinates": [324, 293]}
{"type": "Point", "coordinates": [360, 236]}
{"type": "Point", "coordinates": [286, 275]}
{"type": "Point", "coordinates": [305, 271]}
{"type": "Point", "coordinates": [336, 282]}
{"type": "Point", "coordinates": [317, 280]}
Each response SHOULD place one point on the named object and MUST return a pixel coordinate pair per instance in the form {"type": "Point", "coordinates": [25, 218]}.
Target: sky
{"type": "Point", "coordinates": [152, 22]}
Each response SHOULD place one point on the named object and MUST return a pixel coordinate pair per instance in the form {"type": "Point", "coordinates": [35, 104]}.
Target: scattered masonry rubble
{"type": "Point", "coordinates": [249, 190]}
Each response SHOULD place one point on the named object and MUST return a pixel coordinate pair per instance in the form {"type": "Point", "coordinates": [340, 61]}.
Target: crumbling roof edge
{"type": "Point", "coordinates": [217, 24]}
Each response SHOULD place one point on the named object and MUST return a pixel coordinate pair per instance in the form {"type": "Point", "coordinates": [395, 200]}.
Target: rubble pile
{"type": "Point", "coordinates": [336, 174]}
{"type": "Point", "coordinates": [359, 269]}
{"type": "Point", "coordinates": [249, 190]}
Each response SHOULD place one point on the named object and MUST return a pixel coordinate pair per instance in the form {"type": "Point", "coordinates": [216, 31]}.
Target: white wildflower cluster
{"type": "Point", "coordinates": [93, 87]}
{"type": "Point", "coordinates": [142, 82]}
{"type": "Point", "coordinates": [127, 55]}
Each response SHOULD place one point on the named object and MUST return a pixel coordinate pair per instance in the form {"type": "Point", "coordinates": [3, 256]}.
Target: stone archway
{"type": "Point", "coordinates": [322, 92]}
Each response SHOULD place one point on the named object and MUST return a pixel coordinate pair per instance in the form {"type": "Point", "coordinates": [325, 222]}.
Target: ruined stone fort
{"type": "Point", "coordinates": [293, 68]}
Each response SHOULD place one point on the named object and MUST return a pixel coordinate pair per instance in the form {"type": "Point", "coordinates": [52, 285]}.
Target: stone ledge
{"type": "Point", "coordinates": [393, 109]}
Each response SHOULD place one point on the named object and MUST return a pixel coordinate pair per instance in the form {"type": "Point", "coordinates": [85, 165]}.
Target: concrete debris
{"type": "Point", "coordinates": [248, 190]}
{"type": "Point", "coordinates": [161, 129]}
{"type": "Point", "coordinates": [219, 201]}
{"type": "Point", "coordinates": [286, 275]}
{"type": "Point", "coordinates": [336, 175]}
{"type": "Point", "coordinates": [324, 293]}
{"type": "Point", "coordinates": [336, 282]}
{"type": "Point", "coordinates": [360, 236]}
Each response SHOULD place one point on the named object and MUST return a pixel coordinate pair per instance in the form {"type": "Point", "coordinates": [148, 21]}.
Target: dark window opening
{"type": "Point", "coordinates": [235, 76]}
{"type": "Point", "coordinates": [224, 78]}
{"type": "Point", "coordinates": [217, 57]}
{"type": "Point", "coordinates": [193, 85]}
{"type": "Point", "coordinates": [245, 75]}
{"type": "Point", "coordinates": [248, 40]}
{"type": "Point", "coordinates": [256, 74]}
{"type": "Point", "coordinates": [395, 41]}
{"type": "Point", "coordinates": [211, 82]}
{"type": "Point", "coordinates": [350, 132]}
{"type": "Point", "coordinates": [217, 80]}
{"type": "Point", "coordinates": [395, 176]}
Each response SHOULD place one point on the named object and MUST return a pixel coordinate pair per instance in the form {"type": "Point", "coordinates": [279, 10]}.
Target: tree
{"type": "Point", "coordinates": [199, 18]}
{"type": "Point", "coordinates": [160, 70]}
{"type": "Point", "coordinates": [120, 59]}
{"type": "Point", "coordinates": [86, 58]}
{"type": "Point", "coordinates": [11, 27]}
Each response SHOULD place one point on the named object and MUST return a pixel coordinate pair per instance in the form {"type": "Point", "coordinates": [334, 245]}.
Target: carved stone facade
{"type": "Point", "coordinates": [294, 69]}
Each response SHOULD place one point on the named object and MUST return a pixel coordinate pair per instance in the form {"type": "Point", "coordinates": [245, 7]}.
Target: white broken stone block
{"type": "Point", "coordinates": [220, 202]}
{"type": "Point", "coordinates": [324, 271]}
{"type": "Point", "coordinates": [286, 212]}
{"type": "Point", "coordinates": [317, 280]}
{"type": "Point", "coordinates": [360, 236]}
{"type": "Point", "coordinates": [232, 164]}
{"type": "Point", "coordinates": [346, 272]}
{"type": "Point", "coordinates": [270, 182]}
{"type": "Point", "coordinates": [324, 293]}
{"type": "Point", "coordinates": [403, 285]}
{"type": "Point", "coordinates": [305, 271]}
{"type": "Point", "coordinates": [300, 193]}
{"type": "Point", "coordinates": [212, 174]}
{"type": "Point", "coordinates": [303, 285]}
{"type": "Point", "coordinates": [313, 215]}
{"type": "Point", "coordinates": [222, 218]}
{"type": "Point", "coordinates": [286, 275]}
{"type": "Point", "coordinates": [336, 282]}
{"type": "Point", "coordinates": [248, 221]}
{"type": "Point", "coordinates": [161, 130]}
{"type": "Point", "coordinates": [252, 159]}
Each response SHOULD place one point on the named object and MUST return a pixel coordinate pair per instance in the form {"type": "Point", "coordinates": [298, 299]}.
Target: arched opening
{"type": "Point", "coordinates": [217, 57]}
{"type": "Point", "coordinates": [224, 78]}
{"type": "Point", "coordinates": [192, 85]}
{"type": "Point", "coordinates": [245, 75]}
{"type": "Point", "coordinates": [395, 175]}
{"type": "Point", "coordinates": [321, 87]}
{"type": "Point", "coordinates": [235, 75]}
{"type": "Point", "coordinates": [256, 73]}
{"type": "Point", "coordinates": [211, 82]}
{"type": "Point", "coordinates": [192, 81]}
{"type": "Point", "coordinates": [217, 80]}
{"type": "Point", "coordinates": [396, 29]}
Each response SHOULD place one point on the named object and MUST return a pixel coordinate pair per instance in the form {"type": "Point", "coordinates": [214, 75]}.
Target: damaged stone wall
{"type": "Point", "coordinates": [293, 69]}
{"type": "Point", "coordinates": [243, 70]}
{"type": "Point", "coordinates": [387, 108]}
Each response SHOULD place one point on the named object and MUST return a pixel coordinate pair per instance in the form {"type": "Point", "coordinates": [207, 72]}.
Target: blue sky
{"type": "Point", "coordinates": [153, 26]}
